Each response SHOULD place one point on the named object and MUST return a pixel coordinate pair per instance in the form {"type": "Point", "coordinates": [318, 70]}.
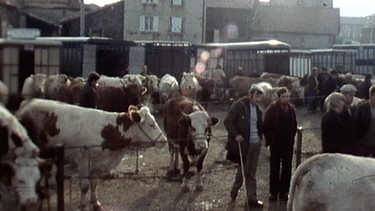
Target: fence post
{"type": "Point", "coordinates": [299, 146]}
{"type": "Point", "coordinates": [60, 177]}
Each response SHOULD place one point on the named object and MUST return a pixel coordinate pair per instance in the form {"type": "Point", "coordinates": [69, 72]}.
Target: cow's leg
{"type": "Point", "coordinates": [84, 186]}
{"type": "Point", "coordinates": [199, 183]}
{"type": "Point", "coordinates": [173, 169]}
{"type": "Point", "coordinates": [185, 179]}
{"type": "Point", "coordinates": [94, 198]}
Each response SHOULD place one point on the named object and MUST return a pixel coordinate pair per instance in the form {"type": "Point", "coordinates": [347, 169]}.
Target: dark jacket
{"type": "Point", "coordinates": [88, 97]}
{"type": "Point", "coordinates": [237, 122]}
{"type": "Point", "coordinates": [337, 136]}
{"type": "Point", "coordinates": [279, 126]}
{"type": "Point", "coordinates": [362, 120]}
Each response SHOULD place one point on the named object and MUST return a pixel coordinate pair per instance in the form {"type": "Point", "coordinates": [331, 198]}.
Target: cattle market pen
{"type": "Point", "coordinates": [254, 57]}
{"type": "Point", "coordinates": [151, 170]}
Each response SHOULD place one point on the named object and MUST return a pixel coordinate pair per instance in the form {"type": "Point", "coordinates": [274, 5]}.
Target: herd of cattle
{"type": "Point", "coordinates": [96, 139]}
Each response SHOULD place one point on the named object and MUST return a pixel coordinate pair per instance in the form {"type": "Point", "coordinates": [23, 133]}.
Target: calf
{"type": "Point", "coordinates": [188, 129]}
{"type": "Point", "coordinates": [95, 140]}
{"type": "Point", "coordinates": [333, 182]}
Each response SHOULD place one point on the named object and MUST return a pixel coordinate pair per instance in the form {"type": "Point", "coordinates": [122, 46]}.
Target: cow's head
{"type": "Point", "coordinates": [14, 140]}
{"type": "Point", "coordinates": [152, 83]}
{"type": "Point", "coordinates": [18, 183]}
{"type": "Point", "coordinates": [188, 81]}
{"type": "Point", "coordinates": [38, 85]}
{"type": "Point", "coordinates": [146, 130]}
{"type": "Point", "coordinates": [199, 124]}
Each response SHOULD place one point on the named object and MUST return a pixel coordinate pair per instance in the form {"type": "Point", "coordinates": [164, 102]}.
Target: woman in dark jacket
{"type": "Point", "coordinates": [336, 132]}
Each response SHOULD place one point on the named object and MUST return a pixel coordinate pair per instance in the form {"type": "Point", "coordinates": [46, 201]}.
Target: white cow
{"type": "Point", "coordinates": [95, 140]}
{"type": "Point", "coordinates": [14, 140]}
{"type": "Point", "coordinates": [111, 81]}
{"type": "Point", "coordinates": [18, 183]}
{"type": "Point", "coordinates": [189, 85]}
{"type": "Point", "coordinates": [4, 93]}
{"type": "Point", "coordinates": [33, 86]}
{"type": "Point", "coordinates": [134, 79]}
{"type": "Point", "coordinates": [328, 182]}
{"type": "Point", "coordinates": [55, 87]}
{"type": "Point", "coordinates": [168, 87]}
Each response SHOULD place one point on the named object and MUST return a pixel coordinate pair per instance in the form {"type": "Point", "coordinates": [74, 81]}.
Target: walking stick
{"type": "Point", "coordinates": [243, 175]}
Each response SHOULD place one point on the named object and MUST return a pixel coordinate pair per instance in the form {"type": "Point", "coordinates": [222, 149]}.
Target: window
{"type": "Point", "coordinates": [149, 24]}
{"type": "Point", "coordinates": [177, 2]}
{"type": "Point", "coordinates": [176, 24]}
{"type": "Point", "coordinates": [149, 1]}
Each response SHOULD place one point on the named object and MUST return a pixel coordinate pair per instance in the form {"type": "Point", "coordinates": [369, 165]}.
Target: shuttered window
{"type": "Point", "coordinates": [176, 24]}
{"type": "Point", "coordinates": [149, 24]}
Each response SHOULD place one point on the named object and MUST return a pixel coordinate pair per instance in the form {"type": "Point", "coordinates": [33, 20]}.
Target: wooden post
{"type": "Point", "coordinates": [299, 146]}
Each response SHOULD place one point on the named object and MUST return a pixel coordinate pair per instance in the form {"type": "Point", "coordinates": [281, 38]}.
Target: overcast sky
{"type": "Point", "coordinates": [349, 8]}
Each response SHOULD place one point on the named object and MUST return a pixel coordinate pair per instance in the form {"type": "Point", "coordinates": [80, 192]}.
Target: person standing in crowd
{"type": "Point", "coordinates": [336, 131]}
{"type": "Point", "coordinates": [311, 90]}
{"type": "Point", "coordinates": [330, 85]}
{"type": "Point", "coordinates": [145, 71]}
{"type": "Point", "coordinates": [240, 71]}
{"type": "Point", "coordinates": [279, 128]}
{"type": "Point", "coordinates": [218, 76]}
{"type": "Point", "coordinates": [351, 101]}
{"type": "Point", "coordinates": [363, 87]}
{"type": "Point", "coordinates": [244, 125]}
{"type": "Point", "coordinates": [364, 121]}
{"type": "Point", "coordinates": [322, 76]}
{"type": "Point", "coordinates": [88, 97]}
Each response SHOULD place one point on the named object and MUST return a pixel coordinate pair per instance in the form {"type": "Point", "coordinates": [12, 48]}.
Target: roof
{"type": "Point", "coordinates": [256, 45]}
{"type": "Point", "coordinates": [29, 42]}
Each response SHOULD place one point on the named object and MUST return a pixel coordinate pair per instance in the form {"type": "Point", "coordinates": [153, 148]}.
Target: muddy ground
{"type": "Point", "coordinates": [126, 190]}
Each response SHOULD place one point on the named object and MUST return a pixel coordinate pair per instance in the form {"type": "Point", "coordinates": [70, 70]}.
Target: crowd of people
{"type": "Point", "coordinates": [347, 126]}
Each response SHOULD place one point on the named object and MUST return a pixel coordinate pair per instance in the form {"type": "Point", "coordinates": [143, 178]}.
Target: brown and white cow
{"type": "Point", "coordinates": [33, 86]}
{"type": "Point", "coordinates": [95, 140]}
{"type": "Point", "coordinates": [239, 86]}
{"type": "Point", "coordinates": [14, 140]}
{"type": "Point", "coordinates": [118, 99]}
{"type": "Point", "coordinates": [333, 182]}
{"type": "Point", "coordinates": [18, 184]}
{"type": "Point", "coordinates": [188, 129]}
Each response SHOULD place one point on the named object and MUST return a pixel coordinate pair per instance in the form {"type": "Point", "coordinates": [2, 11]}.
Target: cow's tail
{"type": "Point", "coordinates": [297, 178]}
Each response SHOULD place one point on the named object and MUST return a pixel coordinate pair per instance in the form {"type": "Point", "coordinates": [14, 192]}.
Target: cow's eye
{"type": "Point", "coordinates": [193, 129]}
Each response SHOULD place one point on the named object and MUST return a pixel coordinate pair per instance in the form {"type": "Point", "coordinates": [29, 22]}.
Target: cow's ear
{"type": "Point", "coordinates": [214, 121]}
{"type": "Point", "coordinates": [132, 108]}
{"type": "Point", "coordinates": [184, 121]}
{"type": "Point", "coordinates": [135, 116]}
{"type": "Point", "coordinates": [6, 174]}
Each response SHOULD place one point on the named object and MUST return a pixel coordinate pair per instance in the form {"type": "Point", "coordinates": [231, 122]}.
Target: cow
{"type": "Point", "coordinates": [152, 84]}
{"type": "Point", "coordinates": [168, 87]}
{"type": "Point", "coordinates": [333, 182]}
{"type": "Point", "coordinates": [207, 89]}
{"type": "Point", "coordinates": [33, 86]}
{"type": "Point", "coordinates": [18, 184]}
{"type": "Point", "coordinates": [4, 93]}
{"type": "Point", "coordinates": [95, 140]}
{"type": "Point", "coordinates": [118, 99]}
{"type": "Point", "coordinates": [111, 81]}
{"type": "Point", "coordinates": [14, 140]}
{"type": "Point", "coordinates": [240, 85]}
{"type": "Point", "coordinates": [188, 129]}
{"type": "Point", "coordinates": [134, 79]}
{"type": "Point", "coordinates": [189, 85]}
{"type": "Point", "coordinates": [55, 87]}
